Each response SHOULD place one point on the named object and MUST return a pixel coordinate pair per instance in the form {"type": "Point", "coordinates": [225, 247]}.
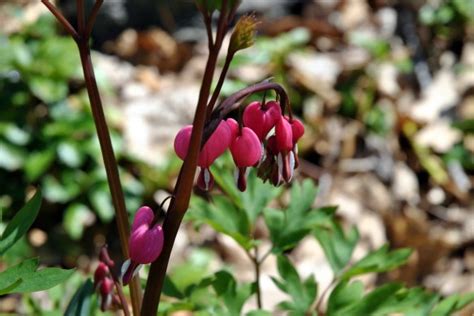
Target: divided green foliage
{"type": "Point", "coordinates": [381, 260]}
{"type": "Point", "coordinates": [219, 294]}
{"type": "Point", "coordinates": [24, 277]}
{"type": "Point", "coordinates": [302, 293]}
{"type": "Point", "coordinates": [337, 244]}
{"type": "Point", "coordinates": [234, 216]}
{"type": "Point", "coordinates": [452, 304]}
{"type": "Point", "coordinates": [287, 227]}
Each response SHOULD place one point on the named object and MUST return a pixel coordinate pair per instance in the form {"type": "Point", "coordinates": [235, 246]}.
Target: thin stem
{"type": "Point", "coordinates": [93, 17]}
{"type": "Point", "coordinates": [317, 303]}
{"type": "Point", "coordinates": [220, 82]}
{"type": "Point", "coordinates": [257, 264]}
{"type": "Point", "coordinates": [182, 193]}
{"type": "Point", "coordinates": [233, 102]}
{"type": "Point", "coordinates": [109, 162]}
{"type": "Point", "coordinates": [208, 24]}
{"type": "Point", "coordinates": [81, 17]}
{"type": "Point", "coordinates": [122, 298]}
{"type": "Point", "coordinates": [65, 23]}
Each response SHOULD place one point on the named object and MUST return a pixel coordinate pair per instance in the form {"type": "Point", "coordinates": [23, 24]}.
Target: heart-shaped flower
{"type": "Point", "coordinates": [262, 118]}
{"type": "Point", "coordinates": [246, 150]}
{"type": "Point", "coordinates": [215, 146]}
{"type": "Point", "coordinates": [145, 243]}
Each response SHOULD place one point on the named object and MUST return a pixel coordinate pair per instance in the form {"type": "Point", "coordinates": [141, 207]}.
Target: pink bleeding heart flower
{"type": "Point", "coordinates": [215, 146]}
{"type": "Point", "coordinates": [284, 146]}
{"type": "Point", "coordinates": [297, 129]}
{"type": "Point", "coordinates": [246, 150]}
{"type": "Point", "coordinates": [262, 118]}
{"type": "Point", "coordinates": [101, 272]}
{"type": "Point", "coordinates": [145, 243]}
{"type": "Point", "coordinates": [106, 290]}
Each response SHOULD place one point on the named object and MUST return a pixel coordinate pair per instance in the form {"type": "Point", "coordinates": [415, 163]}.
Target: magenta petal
{"type": "Point", "coordinates": [234, 127]}
{"type": "Point", "coordinates": [272, 114]}
{"type": "Point", "coordinates": [254, 119]}
{"type": "Point", "coordinates": [283, 135]}
{"type": "Point", "coordinates": [181, 141]}
{"type": "Point", "coordinates": [144, 216]}
{"type": "Point", "coordinates": [216, 145]}
{"type": "Point", "coordinates": [246, 149]}
{"type": "Point", "coordinates": [297, 129]}
{"type": "Point", "coordinates": [146, 244]}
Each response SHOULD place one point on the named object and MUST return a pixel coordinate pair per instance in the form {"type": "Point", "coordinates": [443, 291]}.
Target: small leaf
{"type": "Point", "coordinates": [344, 294]}
{"type": "Point", "coordinates": [13, 275]}
{"type": "Point", "coordinates": [20, 223]}
{"type": "Point", "coordinates": [337, 245]}
{"type": "Point", "coordinates": [80, 304]}
{"type": "Point", "coordinates": [43, 279]}
{"type": "Point", "coordinates": [451, 304]}
{"type": "Point", "coordinates": [76, 217]}
{"type": "Point", "coordinates": [380, 260]}
{"type": "Point", "coordinates": [37, 163]}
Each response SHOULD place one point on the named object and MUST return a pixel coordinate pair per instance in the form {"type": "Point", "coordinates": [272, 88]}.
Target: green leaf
{"type": "Point", "coordinates": [43, 279]}
{"type": "Point", "coordinates": [288, 227]}
{"type": "Point", "coordinates": [37, 163]}
{"type": "Point", "coordinates": [70, 154]}
{"type": "Point", "coordinates": [344, 294]}
{"type": "Point", "coordinates": [13, 276]}
{"type": "Point", "coordinates": [48, 90]}
{"type": "Point", "coordinates": [451, 304]}
{"type": "Point", "coordinates": [259, 313]}
{"type": "Point", "coordinates": [11, 157]}
{"type": "Point", "coordinates": [76, 217]}
{"type": "Point", "coordinates": [80, 304]}
{"type": "Point", "coordinates": [20, 223]}
{"type": "Point", "coordinates": [337, 245]}
{"type": "Point", "coordinates": [224, 217]}
{"type": "Point", "coordinates": [381, 260]}
{"type": "Point", "coordinates": [170, 289]}
{"type": "Point", "coordinates": [302, 294]}
{"type": "Point", "coordinates": [233, 296]}
{"type": "Point", "coordinates": [385, 300]}
{"type": "Point", "coordinates": [102, 202]}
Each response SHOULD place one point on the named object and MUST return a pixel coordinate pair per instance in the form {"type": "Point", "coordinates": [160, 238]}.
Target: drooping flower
{"type": "Point", "coordinates": [106, 291]}
{"type": "Point", "coordinates": [262, 118]}
{"type": "Point", "coordinates": [101, 272]}
{"type": "Point", "coordinates": [281, 151]}
{"type": "Point", "coordinates": [214, 147]}
{"type": "Point", "coordinates": [284, 145]}
{"type": "Point", "coordinates": [246, 151]}
{"type": "Point", "coordinates": [145, 243]}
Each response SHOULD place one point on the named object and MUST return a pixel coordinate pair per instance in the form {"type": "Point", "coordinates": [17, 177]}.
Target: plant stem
{"type": "Point", "coordinates": [65, 23]}
{"type": "Point", "coordinates": [182, 192]}
{"type": "Point", "coordinates": [257, 264]}
{"type": "Point", "coordinates": [109, 162]}
{"type": "Point", "coordinates": [220, 82]}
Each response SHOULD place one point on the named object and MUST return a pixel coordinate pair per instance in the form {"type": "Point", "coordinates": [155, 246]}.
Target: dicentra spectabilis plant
{"type": "Point", "coordinates": [198, 145]}
{"type": "Point", "coordinates": [262, 142]}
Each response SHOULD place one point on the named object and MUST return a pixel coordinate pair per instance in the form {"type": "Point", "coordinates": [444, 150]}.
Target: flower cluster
{"type": "Point", "coordinates": [104, 283]}
{"type": "Point", "coordinates": [249, 144]}
{"type": "Point", "coordinates": [145, 243]}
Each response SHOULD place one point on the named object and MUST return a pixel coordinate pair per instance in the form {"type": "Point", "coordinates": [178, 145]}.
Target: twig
{"type": "Point", "coordinates": [257, 263]}
{"type": "Point", "coordinates": [65, 23]}
{"type": "Point", "coordinates": [81, 18]}
{"type": "Point", "coordinates": [220, 82]}
{"type": "Point", "coordinates": [82, 39]}
{"type": "Point", "coordinates": [183, 188]}
{"type": "Point", "coordinates": [93, 17]}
